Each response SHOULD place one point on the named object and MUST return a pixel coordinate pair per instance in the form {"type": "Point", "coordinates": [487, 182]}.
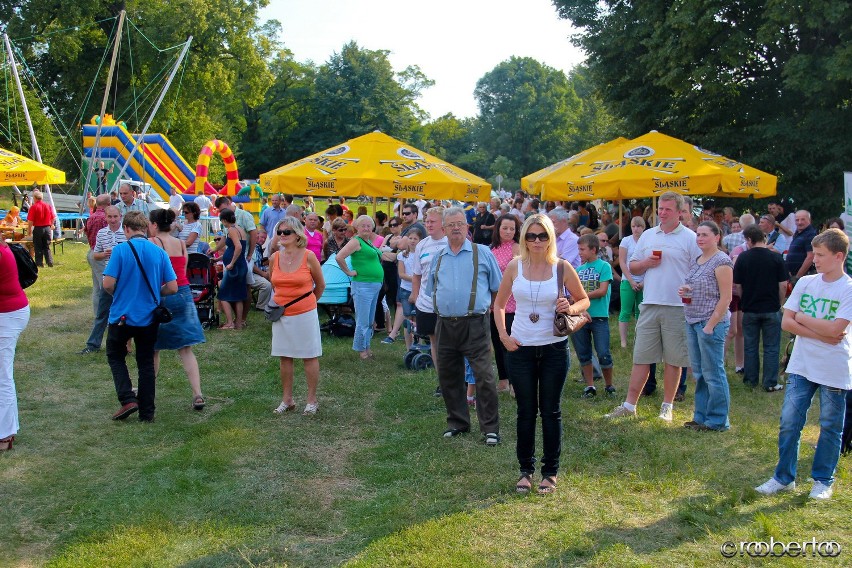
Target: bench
{"type": "Point", "coordinates": [60, 242]}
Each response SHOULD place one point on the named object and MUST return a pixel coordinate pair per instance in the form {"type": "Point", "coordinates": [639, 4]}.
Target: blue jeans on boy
{"type": "Point", "coordinates": [364, 295]}
{"type": "Point", "coordinates": [538, 374]}
{"type": "Point", "coordinates": [794, 412]}
{"type": "Point", "coordinates": [707, 358]}
{"type": "Point", "coordinates": [769, 324]}
{"type": "Point", "coordinates": [597, 332]}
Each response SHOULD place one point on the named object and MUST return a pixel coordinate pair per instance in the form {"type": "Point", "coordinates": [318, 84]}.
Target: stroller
{"type": "Point", "coordinates": [419, 355]}
{"type": "Point", "coordinates": [336, 300]}
{"type": "Point", "coordinates": [203, 280]}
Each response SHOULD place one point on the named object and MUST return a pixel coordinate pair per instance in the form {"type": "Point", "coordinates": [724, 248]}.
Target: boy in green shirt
{"type": "Point", "coordinates": [595, 274]}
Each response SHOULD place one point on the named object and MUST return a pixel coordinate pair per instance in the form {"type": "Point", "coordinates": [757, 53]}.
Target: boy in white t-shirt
{"type": "Point", "coordinates": [818, 312]}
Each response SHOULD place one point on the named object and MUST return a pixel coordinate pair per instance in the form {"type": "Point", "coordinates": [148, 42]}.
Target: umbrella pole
{"type": "Point", "coordinates": [620, 217]}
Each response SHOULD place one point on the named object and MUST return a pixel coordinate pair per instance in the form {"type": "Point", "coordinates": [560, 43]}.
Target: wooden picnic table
{"type": "Point", "coordinates": [14, 233]}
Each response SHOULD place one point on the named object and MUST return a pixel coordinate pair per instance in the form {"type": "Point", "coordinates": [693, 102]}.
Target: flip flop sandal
{"type": "Point", "coordinates": [198, 403]}
{"type": "Point", "coordinates": [524, 488]}
{"type": "Point", "coordinates": [547, 485]}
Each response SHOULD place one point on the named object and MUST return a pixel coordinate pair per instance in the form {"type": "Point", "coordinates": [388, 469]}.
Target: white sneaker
{"type": "Point", "coordinates": [620, 411]}
{"type": "Point", "coordinates": [773, 486]}
{"type": "Point", "coordinates": [666, 413]}
{"type": "Point", "coordinates": [821, 491]}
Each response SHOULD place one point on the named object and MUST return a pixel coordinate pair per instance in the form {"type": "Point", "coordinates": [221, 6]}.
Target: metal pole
{"type": "Point", "coordinates": [141, 136]}
{"type": "Point", "coordinates": [36, 152]}
{"type": "Point", "coordinates": [96, 149]}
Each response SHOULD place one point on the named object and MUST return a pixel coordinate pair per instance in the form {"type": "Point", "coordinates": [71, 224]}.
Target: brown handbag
{"type": "Point", "coordinates": [565, 324]}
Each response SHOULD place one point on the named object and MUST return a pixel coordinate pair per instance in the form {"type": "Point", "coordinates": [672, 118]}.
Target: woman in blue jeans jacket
{"type": "Point", "coordinates": [706, 295]}
{"type": "Point", "coordinates": [536, 359]}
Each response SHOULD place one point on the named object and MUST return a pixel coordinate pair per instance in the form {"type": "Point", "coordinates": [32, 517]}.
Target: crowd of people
{"type": "Point", "coordinates": [483, 283]}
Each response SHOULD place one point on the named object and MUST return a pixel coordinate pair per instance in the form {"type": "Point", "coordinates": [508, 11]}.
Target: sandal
{"type": "Point", "coordinates": [547, 485]}
{"type": "Point", "coordinates": [198, 403]}
{"type": "Point", "coordinates": [310, 409]}
{"type": "Point", "coordinates": [227, 326]}
{"type": "Point", "coordinates": [284, 407]}
{"type": "Point", "coordinates": [6, 443]}
{"type": "Point", "coordinates": [521, 487]}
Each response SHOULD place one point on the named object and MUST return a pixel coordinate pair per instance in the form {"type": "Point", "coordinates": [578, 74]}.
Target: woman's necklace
{"type": "Point", "coordinates": [534, 316]}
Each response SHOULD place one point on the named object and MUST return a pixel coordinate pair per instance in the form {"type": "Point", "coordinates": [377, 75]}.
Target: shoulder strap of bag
{"type": "Point", "coordinates": [144, 275]}
{"type": "Point", "coordinates": [560, 276]}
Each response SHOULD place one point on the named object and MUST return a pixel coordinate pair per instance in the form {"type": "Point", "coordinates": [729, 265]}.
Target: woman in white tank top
{"type": "Point", "coordinates": [537, 360]}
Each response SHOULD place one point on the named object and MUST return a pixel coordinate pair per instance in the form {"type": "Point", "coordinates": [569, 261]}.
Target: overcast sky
{"type": "Point", "coordinates": [454, 42]}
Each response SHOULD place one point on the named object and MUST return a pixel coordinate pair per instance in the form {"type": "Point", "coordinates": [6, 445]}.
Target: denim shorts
{"type": "Point", "coordinates": [402, 297]}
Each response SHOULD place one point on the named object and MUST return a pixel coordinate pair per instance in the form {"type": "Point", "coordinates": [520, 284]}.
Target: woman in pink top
{"type": "Point", "coordinates": [504, 246]}
{"type": "Point", "coordinates": [314, 235]}
{"type": "Point", "coordinates": [14, 316]}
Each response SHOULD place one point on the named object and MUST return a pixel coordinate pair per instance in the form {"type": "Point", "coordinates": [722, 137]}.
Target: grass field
{"type": "Point", "coordinates": [369, 481]}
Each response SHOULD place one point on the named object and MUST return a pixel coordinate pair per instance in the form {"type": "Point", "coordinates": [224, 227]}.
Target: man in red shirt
{"type": "Point", "coordinates": [40, 218]}
{"type": "Point", "coordinates": [97, 221]}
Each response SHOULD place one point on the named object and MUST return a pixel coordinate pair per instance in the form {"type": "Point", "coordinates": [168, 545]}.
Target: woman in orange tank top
{"type": "Point", "coordinates": [297, 282]}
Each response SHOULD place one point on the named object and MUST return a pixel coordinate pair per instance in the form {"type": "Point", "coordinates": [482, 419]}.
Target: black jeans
{"type": "Point", "coordinates": [41, 245]}
{"type": "Point", "coordinates": [538, 375]}
{"type": "Point", "coordinates": [116, 351]}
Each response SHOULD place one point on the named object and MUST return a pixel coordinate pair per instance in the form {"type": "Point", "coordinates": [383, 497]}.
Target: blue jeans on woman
{"type": "Point", "coordinates": [365, 295]}
{"type": "Point", "coordinates": [707, 357]}
{"type": "Point", "coordinates": [832, 409]}
{"type": "Point", "coordinates": [538, 375]}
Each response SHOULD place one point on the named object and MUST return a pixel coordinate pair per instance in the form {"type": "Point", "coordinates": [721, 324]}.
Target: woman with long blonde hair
{"type": "Point", "coordinates": [536, 359]}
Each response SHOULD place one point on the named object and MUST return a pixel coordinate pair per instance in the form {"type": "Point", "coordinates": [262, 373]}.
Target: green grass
{"type": "Point", "coordinates": [368, 481]}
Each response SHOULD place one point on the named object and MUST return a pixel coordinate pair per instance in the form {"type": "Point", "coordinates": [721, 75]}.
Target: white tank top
{"type": "Point", "coordinates": [538, 297]}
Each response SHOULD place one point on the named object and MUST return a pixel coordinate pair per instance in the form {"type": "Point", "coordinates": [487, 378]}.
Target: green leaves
{"type": "Point", "coordinates": [768, 83]}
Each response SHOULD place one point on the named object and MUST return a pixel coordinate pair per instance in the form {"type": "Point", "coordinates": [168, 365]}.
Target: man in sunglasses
{"type": "Point", "coordinates": [462, 285]}
{"type": "Point", "coordinates": [409, 219]}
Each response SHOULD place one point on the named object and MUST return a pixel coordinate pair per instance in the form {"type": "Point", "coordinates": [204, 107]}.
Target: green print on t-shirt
{"type": "Point", "coordinates": [821, 308]}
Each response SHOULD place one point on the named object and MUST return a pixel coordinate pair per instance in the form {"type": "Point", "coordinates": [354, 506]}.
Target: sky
{"type": "Point", "coordinates": [453, 42]}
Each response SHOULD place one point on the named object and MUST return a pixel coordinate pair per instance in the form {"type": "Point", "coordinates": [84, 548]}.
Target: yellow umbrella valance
{"type": "Point", "coordinates": [376, 165]}
{"type": "Point", "coordinates": [650, 165]}
{"type": "Point", "coordinates": [18, 170]}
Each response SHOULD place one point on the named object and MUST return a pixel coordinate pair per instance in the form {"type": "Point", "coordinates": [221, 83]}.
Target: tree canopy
{"type": "Point", "coordinates": [766, 83]}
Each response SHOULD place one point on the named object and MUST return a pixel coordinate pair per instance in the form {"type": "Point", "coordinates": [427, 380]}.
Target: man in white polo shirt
{"type": "Point", "coordinates": [426, 250]}
{"type": "Point", "coordinates": [663, 255]}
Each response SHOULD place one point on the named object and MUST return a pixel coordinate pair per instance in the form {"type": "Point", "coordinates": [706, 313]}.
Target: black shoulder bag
{"type": "Point", "coordinates": [27, 268]}
{"type": "Point", "coordinates": [161, 312]}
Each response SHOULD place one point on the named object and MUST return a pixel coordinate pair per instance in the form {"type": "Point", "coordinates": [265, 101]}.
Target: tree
{"type": "Point", "coordinates": [225, 73]}
{"type": "Point", "coordinates": [357, 92]}
{"type": "Point", "coordinates": [766, 83]}
{"type": "Point", "coordinates": [527, 113]}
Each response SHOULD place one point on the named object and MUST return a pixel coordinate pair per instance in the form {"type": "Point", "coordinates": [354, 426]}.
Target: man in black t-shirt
{"type": "Point", "coordinates": [760, 275]}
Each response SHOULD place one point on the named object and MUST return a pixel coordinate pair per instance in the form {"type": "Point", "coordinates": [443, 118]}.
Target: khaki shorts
{"type": "Point", "coordinates": [661, 336]}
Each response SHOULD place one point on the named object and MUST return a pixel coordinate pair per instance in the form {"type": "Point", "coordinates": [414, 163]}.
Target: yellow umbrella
{"type": "Point", "coordinates": [544, 180]}
{"type": "Point", "coordinates": [376, 165]}
{"type": "Point", "coordinates": [15, 170]}
{"type": "Point", "coordinates": [654, 163]}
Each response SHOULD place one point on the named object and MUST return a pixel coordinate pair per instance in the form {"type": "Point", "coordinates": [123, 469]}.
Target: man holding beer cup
{"type": "Point", "coordinates": [663, 254]}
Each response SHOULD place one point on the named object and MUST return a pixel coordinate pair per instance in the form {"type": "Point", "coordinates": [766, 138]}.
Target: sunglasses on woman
{"type": "Point", "coordinates": [531, 237]}
{"type": "Point", "coordinates": [392, 225]}
{"type": "Point", "coordinates": [341, 230]}
{"type": "Point", "coordinates": [284, 232]}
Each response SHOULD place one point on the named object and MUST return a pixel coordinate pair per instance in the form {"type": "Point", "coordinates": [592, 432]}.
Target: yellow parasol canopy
{"type": "Point", "coordinates": [560, 172]}
{"type": "Point", "coordinates": [376, 165]}
{"type": "Point", "coordinates": [652, 164]}
{"type": "Point", "coordinates": [18, 170]}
